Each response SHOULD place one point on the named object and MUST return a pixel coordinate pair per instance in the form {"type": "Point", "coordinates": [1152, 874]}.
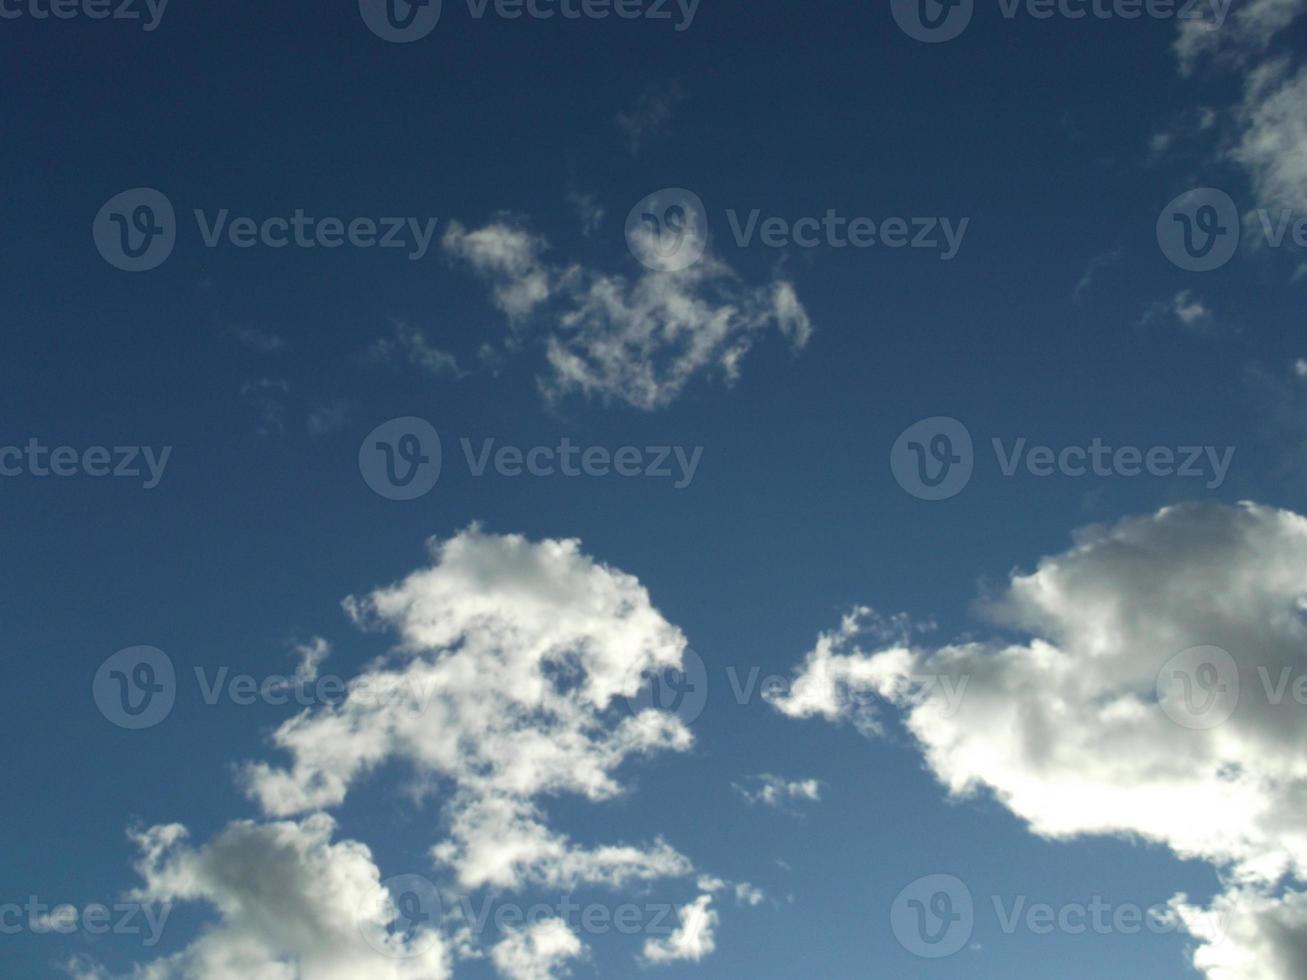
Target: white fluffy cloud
{"type": "Point", "coordinates": [540, 951]}
{"type": "Point", "coordinates": [513, 681]}
{"type": "Point", "coordinates": [636, 340]}
{"type": "Point", "coordinates": [291, 905]}
{"type": "Point", "coordinates": [1066, 729]}
{"type": "Point", "coordinates": [693, 939]}
{"type": "Point", "coordinates": [509, 684]}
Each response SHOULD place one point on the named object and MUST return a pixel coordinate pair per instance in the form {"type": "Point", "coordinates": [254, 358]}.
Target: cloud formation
{"type": "Point", "coordinates": [1075, 728]}
{"type": "Point", "coordinates": [636, 340]}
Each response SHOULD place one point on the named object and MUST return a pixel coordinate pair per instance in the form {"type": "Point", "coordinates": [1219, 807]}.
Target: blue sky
{"type": "Point", "coordinates": [766, 835]}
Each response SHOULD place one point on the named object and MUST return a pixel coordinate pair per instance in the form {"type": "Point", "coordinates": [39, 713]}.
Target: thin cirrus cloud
{"type": "Point", "coordinates": [513, 679]}
{"type": "Point", "coordinates": [638, 341]}
{"type": "Point", "coordinates": [1066, 730]}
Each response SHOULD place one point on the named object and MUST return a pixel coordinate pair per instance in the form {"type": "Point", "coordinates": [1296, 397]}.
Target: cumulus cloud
{"type": "Point", "coordinates": [540, 951]}
{"type": "Point", "coordinates": [1074, 729]}
{"type": "Point", "coordinates": [513, 680]}
{"type": "Point", "coordinates": [291, 905]}
{"type": "Point", "coordinates": [638, 340]}
{"type": "Point", "coordinates": [508, 685]}
{"type": "Point", "coordinates": [693, 939]}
